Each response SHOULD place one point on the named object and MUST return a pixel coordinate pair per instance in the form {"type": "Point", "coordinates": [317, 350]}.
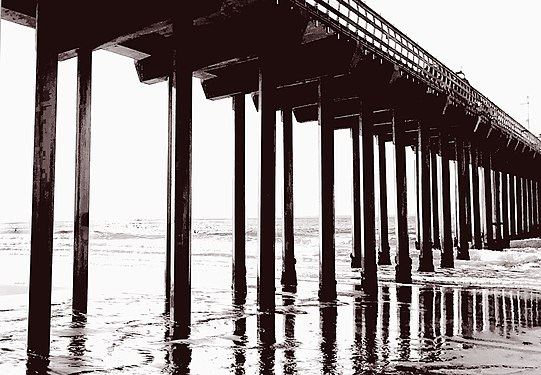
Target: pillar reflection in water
{"type": "Point", "coordinates": [290, 362]}
{"type": "Point", "coordinates": [466, 313]}
{"type": "Point", "coordinates": [448, 310]}
{"type": "Point", "coordinates": [385, 321]}
{"type": "Point", "coordinates": [403, 295]}
{"type": "Point", "coordinates": [267, 339]}
{"type": "Point", "coordinates": [365, 348]}
{"type": "Point", "coordinates": [239, 350]}
{"type": "Point", "coordinates": [327, 325]}
{"type": "Point", "coordinates": [77, 346]}
{"type": "Point", "coordinates": [426, 326]}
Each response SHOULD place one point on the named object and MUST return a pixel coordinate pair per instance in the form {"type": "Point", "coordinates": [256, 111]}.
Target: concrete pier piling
{"type": "Point", "coordinates": [447, 254]}
{"type": "Point", "coordinates": [41, 242]}
{"type": "Point", "coordinates": [239, 205]}
{"type": "Point", "coordinates": [327, 280]}
{"type": "Point", "coordinates": [82, 183]}
{"type": "Point", "coordinates": [356, 256]}
{"type": "Point", "coordinates": [476, 208]}
{"type": "Point", "coordinates": [267, 188]}
{"type": "Point", "coordinates": [403, 260]}
{"type": "Point", "coordinates": [182, 109]}
{"type": "Point", "coordinates": [436, 242]}
{"type": "Point", "coordinates": [463, 192]}
{"type": "Point", "coordinates": [487, 173]}
{"type": "Point", "coordinates": [289, 275]}
{"type": "Point", "coordinates": [384, 257]}
{"type": "Point", "coordinates": [370, 278]}
{"type": "Point", "coordinates": [426, 261]}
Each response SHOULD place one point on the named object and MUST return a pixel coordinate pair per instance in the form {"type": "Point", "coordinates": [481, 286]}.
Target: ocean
{"type": "Point", "coordinates": [482, 317]}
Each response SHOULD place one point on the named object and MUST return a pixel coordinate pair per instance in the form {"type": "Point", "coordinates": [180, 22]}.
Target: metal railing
{"type": "Point", "coordinates": [359, 22]}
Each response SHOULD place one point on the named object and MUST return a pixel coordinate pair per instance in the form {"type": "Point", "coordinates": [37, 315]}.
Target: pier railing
{"type": "Point", "coordinates": [359, 22]}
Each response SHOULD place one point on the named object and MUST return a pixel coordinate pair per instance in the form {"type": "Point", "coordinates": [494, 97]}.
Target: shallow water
{"type": "Point", "coordinates": [453, 324]}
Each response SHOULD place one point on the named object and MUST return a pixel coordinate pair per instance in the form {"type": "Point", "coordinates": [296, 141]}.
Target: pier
{"type": "Point", "coordinates": [333, 64]}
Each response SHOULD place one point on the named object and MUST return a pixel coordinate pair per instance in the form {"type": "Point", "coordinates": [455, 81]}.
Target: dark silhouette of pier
{"type": "Point", "coordinates": [344, 67]}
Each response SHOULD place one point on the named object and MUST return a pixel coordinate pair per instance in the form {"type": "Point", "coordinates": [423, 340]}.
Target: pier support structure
{"type": "Point", "coordinates": [403, 260]}
{"type": "Point", "coordinates": [487, 171]}
{"type": "Point", "coordinates": [447, 254]}
{"type": "Point", "coordinates": [182, 247]}
{"type": "Point", "coordinates": [82, 183]}
{"type": "Point", "coordinates": [41, 242]}
{"type": "Point", "coordinates": [327, 280]}
{"type": "Point", "coordinates": [356, 256]}
{"type": "Point", "coordinates": [267, 189]}
{"type": "Point", "coordinates": [289, 275]}
{"type": "Point", "coordinates": [384, 257]}
{"type": "Point", "coordinates": [370, 268]}
{"type": "Point", "coordinates": [463, 190]}
{"type": "Point", "coordinates": [476, 216]}
{"type": "Point", "coordinates": [239, 206]}
{"type": "Point", "coordinates": [436, 242]}
{"type": "Point", "coordinates": [426, 262]}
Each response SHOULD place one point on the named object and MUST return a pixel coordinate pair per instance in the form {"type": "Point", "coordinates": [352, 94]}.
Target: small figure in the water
{"type": "Point", "coordinates": [15, 230]}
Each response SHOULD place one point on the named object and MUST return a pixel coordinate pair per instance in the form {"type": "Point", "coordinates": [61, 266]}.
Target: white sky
{"type": "Point", "coordinates": [495, 44]}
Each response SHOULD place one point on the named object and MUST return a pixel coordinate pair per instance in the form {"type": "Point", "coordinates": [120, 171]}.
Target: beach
{"type": "Point", "coordinates": [482, 317]}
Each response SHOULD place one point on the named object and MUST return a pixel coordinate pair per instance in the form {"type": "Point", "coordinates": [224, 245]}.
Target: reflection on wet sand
{"type": "Point", "coordinates": [357, 334]}
{"type": "Point", "coordinates": [290, 363]}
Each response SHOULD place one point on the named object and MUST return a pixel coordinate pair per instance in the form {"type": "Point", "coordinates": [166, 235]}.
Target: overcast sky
{"type": "Point", "coordinates": [493, 43]}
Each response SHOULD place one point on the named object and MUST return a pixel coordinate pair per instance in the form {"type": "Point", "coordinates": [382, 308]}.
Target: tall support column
{"type": "Point", "coordinates": [505, 209]}
{"type": "Point", "coordinates": [530, 206]}
{"type": "Point", "coordinates": [487, 163]}
{"type": "Point", "coordinates": [82, 182]}
{"type": "Point", "coordinates": [467, 148]}
{"type": "Point", "coordinates": [497, 213]}
{"type": "Point", "coordinates": [417, 200]}
{"type": "Point", "coordinates": [525, 208]}
{"type": "Point", "coordinates": [370, 269]}
{"type": "Point", "coordinates": [535, 205]}
{"type": "Point", "coordinates": [169, 193]}
{"type": "Point", "coordinates": [384, 257]}
{"type": "Point", "coordinates": [426, 262]}
{"type": "Point", "coordinates": [239, 205]}
{"type": "Point", "coordinates": [267, 190]}
{"type": "Point", "coordinates": [289, 275]}
{"type": "Point", "coordinates": [447, 258]}
{"type": "Point", "coordinates": [463, 188]}
{"type": "Point", "coordinates": [436, 243]}
{"type": "Point", "coordinates": [477, 238]}
{"type": "Point", "coordinates": [327, 280]}
{"type": "Point", "coordinates": [538, 205]}
{"type": "Point", "coordinates": [520, 218]}
{"type": "Point", "coordinates": [41, 242]}
{"type": "Point", "coordinates": [512, 207]}
{"type": "Point", "coordinates": [182, 69]}
{"type": "Point", "coordinates": [356, 256]}
{"type": "Point", "coordinates": [403, 260]}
